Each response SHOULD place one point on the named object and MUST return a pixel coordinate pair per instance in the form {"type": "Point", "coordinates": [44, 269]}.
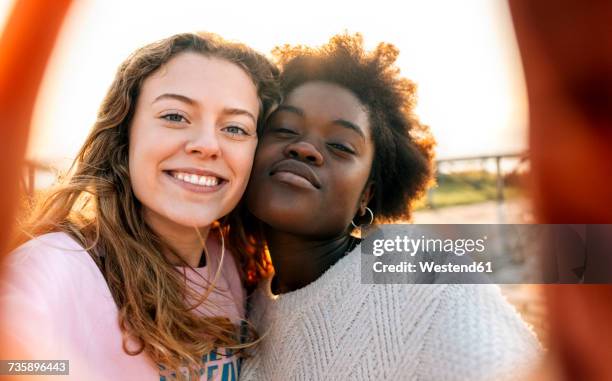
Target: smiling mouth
{"type": "Point", "coordinates": [208, 181]}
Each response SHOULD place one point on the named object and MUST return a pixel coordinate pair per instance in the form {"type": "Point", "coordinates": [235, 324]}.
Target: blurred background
{"type": "Point", "coordinates": [462, 55]}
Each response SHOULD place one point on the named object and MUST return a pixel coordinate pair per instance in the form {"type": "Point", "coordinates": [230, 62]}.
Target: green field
{"type": "Point", "coordinates": [469, 187]}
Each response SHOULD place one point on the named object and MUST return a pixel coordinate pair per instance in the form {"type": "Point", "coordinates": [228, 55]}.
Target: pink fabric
{"type": "Point", "coordinates": [55, 304]}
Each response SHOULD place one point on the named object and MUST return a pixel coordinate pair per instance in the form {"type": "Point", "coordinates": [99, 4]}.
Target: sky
{"type": "Point", "coordinates": [461, 54]}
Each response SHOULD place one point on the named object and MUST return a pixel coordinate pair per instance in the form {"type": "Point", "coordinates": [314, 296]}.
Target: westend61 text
{"type": "Point", "coordinates": [429, 267]}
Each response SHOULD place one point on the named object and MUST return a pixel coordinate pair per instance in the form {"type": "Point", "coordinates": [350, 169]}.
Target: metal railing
{"type": "Point", "coordinates": [31, 169]}
{"type": "Point", "coordinates": [487, 164]}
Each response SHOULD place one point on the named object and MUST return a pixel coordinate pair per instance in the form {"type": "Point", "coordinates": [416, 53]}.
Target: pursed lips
{"type": "Point", "coordinates": [297, 168]}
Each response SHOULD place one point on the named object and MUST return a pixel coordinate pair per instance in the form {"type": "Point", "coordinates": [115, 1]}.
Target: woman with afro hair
{"type": "Point", "coordinates": [344, 148]}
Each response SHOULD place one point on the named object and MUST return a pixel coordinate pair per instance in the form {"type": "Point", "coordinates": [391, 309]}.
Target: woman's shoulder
{"type": "Point", "coordinates": [479, 310]}
{"type": "Point", "coordinates": [480, 302]}
{"type": "Point", "coordinates": [60, 241]}
{"type": "Point", "coordinates": [50, 293]}
{"type": "Point", "coordinates": [51, 249]}
{"type": "Point", "coordinates": [476, 323]}
{"type": "Point", "coordinates": [53, 260]}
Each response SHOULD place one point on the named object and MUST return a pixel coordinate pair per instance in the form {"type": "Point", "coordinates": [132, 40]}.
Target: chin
{"type": "Point", "coordinates": [192, 220]}
{"type": "Point", "coordinates": [196, 222]}
{"type": "Point", "coordinates": [304, 222]}
{"type": "Point", "coordinates": [285, 219]}
{"type": "Point", "coordinates": [274, 207]}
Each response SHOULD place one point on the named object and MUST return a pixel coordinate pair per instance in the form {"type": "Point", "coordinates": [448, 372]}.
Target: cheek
{"type": "Point", "coordinates": [147, 150]}
{"type": "Point", "coordinates": [347, 190]}
{"type": "Point", "coordinates": [265, 155]}
{"type": "Point", "coordinates": [259, 163]}
{"type": "Point", "coordinates": [138, 162]}
{"type": "Point", "coordinates": [239, 159]}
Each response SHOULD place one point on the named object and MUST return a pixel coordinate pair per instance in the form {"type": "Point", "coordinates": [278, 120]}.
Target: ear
{"type": "Point", "coordinates": [366, 197]}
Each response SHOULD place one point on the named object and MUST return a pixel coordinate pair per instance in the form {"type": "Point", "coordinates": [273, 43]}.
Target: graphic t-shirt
{"type": "Point", "coordinates": [56, 305]}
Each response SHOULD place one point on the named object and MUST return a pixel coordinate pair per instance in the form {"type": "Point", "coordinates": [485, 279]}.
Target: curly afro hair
{"type": "Point", "coordinates": [402, 165]}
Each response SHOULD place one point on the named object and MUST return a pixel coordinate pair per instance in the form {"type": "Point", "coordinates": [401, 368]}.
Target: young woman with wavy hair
{"type": "Point", "coordinates": [126, 271]}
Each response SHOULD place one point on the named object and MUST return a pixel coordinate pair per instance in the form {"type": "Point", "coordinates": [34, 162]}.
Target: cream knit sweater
{"type": "Point", "coordinates": [339, 329]}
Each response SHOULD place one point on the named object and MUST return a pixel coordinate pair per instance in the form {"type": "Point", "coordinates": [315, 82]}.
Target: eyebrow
{"type": "Point", "coordinates": [178, 97]}
{"type": "Point", "coordinates": [340, 122]}
{"type": "Point", "coordinates": [239, 111]}
{"type": "Point", "coordinates": [352, 126]}
{"type": "Point", "coordinates": [184, 99]}
{"type": "Point", "coordinates": [292, 109]}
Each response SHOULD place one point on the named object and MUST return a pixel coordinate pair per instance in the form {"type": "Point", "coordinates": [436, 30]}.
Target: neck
{"type": "Point", "coordinates": [299, 261]}
{"type": "Point", "coordinates": [186, 249]}
{"type": "Point", "coordinates": [185, 243]}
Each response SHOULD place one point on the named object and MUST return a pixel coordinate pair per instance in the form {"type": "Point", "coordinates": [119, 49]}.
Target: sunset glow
{"type": "Point", "coordinates": [462, 55]}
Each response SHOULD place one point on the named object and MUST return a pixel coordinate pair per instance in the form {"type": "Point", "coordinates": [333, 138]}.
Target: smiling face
{"type": "Point", "coordinates": [192, 140]}
{"type": "Point", "coordinates": [313, 162]}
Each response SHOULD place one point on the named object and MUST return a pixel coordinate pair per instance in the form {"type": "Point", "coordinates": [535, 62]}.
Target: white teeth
{"type": "Point", "coordinates": [208, 181]}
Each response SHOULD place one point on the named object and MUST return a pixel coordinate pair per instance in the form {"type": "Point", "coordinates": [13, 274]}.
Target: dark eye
{"type": "Point", "coordinates": [174, 118]}
{"type": "Point", "coordinates": [341, 147]}
{"type": "Point", "coordinates": [235, 130]}
{"type": "Point", "coordinates": [283, 131]}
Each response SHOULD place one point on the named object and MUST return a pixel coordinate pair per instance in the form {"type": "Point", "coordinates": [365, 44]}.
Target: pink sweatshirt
{"type": "Point", "coordinates": [56, 305]}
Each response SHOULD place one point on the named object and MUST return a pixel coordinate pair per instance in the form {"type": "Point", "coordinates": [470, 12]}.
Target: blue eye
{"type": "Point", "coordinates": [174, 117]}
{"type": "Point", "coordinates": [235, 130]}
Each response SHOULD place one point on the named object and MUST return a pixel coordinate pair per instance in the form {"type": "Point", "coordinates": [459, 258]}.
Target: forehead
{"type": "Point", "coordinates": [203, 78]}
{"type": "Point", "coordinates": [328, 102]}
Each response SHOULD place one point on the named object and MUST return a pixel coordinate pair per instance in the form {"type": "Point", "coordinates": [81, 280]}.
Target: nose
{"type": "Point", "coordinates": [304, 151]}
{"type": "Point", "coordinates": [204, 143]}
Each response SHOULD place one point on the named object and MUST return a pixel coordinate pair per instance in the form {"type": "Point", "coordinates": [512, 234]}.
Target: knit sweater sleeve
{"type": "Point", "coordinates": [477, 335]}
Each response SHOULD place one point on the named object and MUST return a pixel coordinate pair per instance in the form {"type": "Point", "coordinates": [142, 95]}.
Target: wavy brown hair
{"type": "Point", "coordinates": [95, 204]}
